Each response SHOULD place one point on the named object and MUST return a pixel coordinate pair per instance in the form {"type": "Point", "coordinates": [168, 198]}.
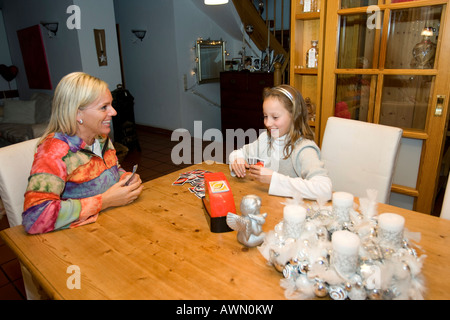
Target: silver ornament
{"type": "Point", "coordinates": [273, 259]}
{"type": "Point", "coordinates": [304, 267]}
{"type": "Point", "coordinates": [322, 261]}
{"type": "Point", "coordinates": [375, 294]}
{"type": "Point", "coordinates": [348, 286]}
{"type": "Point", "coordinates": [291, 271]}
{"type": "Point", "coordinates": [337, 293]}
{"type": "Point", "coordinates": [322, 233]}
{"type": "Point", "coordinates": [320, 289]}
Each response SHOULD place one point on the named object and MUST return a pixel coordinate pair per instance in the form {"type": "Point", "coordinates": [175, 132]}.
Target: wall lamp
{"type": "Point", "coordinates": [140, 34]}
{"type": "Point", "coordinates": [215, 2]}
{"type": "Point", "coordinates": [52, 28]}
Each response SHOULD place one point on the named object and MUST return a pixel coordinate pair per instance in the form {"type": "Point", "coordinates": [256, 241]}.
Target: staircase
{"type": "Point", "coordinates": [252, 13]}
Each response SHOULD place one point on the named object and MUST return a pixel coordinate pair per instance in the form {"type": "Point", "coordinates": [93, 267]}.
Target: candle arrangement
{"type": "Point", "coordinates": [361, 256]}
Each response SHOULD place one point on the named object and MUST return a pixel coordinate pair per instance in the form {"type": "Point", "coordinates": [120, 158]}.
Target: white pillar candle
{"type": "Point", "coordinates": [293, 219]}
{"type": "Point", "coordinates": [390, 229]}
{"type": "Point", "coordinates": [391, 222]}
{"type": "Point", "coordinates": [345, 252]}
{"type": "Point", "coordinates": [342, 204]}
{"type": "Point", "coordinates": [345, 242]}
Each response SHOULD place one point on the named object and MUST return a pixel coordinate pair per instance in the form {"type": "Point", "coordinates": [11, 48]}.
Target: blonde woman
{"type": "Point", "coordinates": [291, 158]}
{"type": "Point", "coordinates": [75, 173]}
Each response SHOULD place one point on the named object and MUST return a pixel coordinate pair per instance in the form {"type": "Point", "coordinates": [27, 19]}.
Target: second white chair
{"type": "Point", "coordinates": [360, 156]}
{"type": "Point", "coordinates": [15, 166]}
{"type": "Point", "coordinates": [445, 211]}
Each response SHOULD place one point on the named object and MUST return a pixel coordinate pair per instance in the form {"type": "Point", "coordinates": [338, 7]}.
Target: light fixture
{"type": "Point", "coordinates": [427, 32]}
{"type": "Point", "coordinates": [140, 34]}
{"type": "Point", "coordinates": [52, 28]}
{"type": "Point", "coordinates": [215, 2]}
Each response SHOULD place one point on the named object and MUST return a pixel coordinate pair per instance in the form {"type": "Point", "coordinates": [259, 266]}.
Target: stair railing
{"type": "Point", "coordinates": [264, 31]}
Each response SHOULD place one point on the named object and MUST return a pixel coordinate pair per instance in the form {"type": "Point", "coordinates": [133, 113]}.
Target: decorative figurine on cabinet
{"type": "Point", "coordinates": [249, 225]}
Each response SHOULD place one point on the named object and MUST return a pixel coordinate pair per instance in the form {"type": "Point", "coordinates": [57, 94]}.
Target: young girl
{"type": "Point", "coordinates": [291, 158]}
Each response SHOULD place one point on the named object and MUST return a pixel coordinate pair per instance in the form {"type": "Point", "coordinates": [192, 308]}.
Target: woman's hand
{"type": "Point", "coordinates": [239, 166]}
{"type": "Point", "coordinates": [120, 195]}
{"type": "Point", "coordinates": [260, 173]}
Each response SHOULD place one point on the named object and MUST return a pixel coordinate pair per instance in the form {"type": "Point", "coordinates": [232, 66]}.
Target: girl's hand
{"type": "Point", "coordinates": [261, 174]}
{"type": "Point", "coordinates": [239, 166]}
{"type": "Point", "coordinates": [120, 195]}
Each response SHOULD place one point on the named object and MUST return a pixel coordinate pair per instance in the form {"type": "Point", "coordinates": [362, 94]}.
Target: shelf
{"type": "Point", "coordinates": [310, 71]}
{"type": "Point", "coordinates": [306, 27]}
{"type": "Point", "coordinates": [307, 16]}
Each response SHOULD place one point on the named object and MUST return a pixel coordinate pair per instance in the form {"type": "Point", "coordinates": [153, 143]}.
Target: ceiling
{"type": "Point", "coordinates": [224, 15]}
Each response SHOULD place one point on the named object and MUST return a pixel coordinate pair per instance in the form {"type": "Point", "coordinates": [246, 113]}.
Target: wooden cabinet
{"type": "Point", "coordinates": [306, 27]}
{"type": "Point", "coordinates": [124, 122]}
{"type": "Point", "coordinates": [241, 99]}
{"type": "Point", "coordinates": [378, 76]}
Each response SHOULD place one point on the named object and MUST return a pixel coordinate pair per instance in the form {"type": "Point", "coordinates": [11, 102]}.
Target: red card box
{"type": "Point", "coordinates": [218, 201]}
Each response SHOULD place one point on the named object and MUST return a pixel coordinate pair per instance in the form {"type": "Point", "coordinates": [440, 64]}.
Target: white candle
{"type": "Point", "coordinates": [390, 230]}
{"type": "Point", "coordinates": [342, 203]}
{"type": "Point", "coordinates": [345, 252]}
{"type": "Point", "coordinates": [294, 213]}
{"type": "Point", "coordinates": [343, 199]}
{"type": "Point", "coordinates": [345, 242]}
{"type": "Point", "coordinates": [293, 218]}
{"type": "Point", "coordinates": [391, 222]}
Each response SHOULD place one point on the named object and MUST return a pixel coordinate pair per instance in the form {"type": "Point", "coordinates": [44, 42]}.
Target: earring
{"type": "Point", "coordinates": [80, 121]}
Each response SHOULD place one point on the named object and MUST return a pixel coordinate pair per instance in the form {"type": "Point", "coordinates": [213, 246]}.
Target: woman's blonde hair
{"type": "Point", "coordinates": [294, 103]}
{"type": "Point", "coordinates": [74, 92]}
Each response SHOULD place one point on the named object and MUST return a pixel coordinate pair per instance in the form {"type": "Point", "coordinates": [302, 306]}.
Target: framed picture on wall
{"type": "Point", "coordinates": [100, 45]}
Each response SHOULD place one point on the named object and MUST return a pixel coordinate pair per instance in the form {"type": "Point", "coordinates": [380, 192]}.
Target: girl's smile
{"type": "Point", "coordinates": [276, 118]}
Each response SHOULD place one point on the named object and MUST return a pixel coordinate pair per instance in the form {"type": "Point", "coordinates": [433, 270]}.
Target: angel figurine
{"type": "Point", "coordinates": [249, 225]}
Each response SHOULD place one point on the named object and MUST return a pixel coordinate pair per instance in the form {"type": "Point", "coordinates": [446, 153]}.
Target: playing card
{"type": "Point", "coordinates": [179, 181]}
{"type": "Point", "coordinates": [196, 178]}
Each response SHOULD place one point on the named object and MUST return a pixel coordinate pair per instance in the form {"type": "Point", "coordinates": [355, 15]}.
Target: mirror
{"type": "Point", "coordinates": [210, 60]}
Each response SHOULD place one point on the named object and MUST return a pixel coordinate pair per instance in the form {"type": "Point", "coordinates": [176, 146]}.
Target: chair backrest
{"type": "Point", "coordinates": [360, 156]}
{"type": "Point", "coordinates": [445, 210]}
{"type": "Point", "coordinates": [15, 166]}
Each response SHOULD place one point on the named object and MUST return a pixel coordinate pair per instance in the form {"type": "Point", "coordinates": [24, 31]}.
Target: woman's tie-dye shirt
{"type": "Point", "coordinates": [66, 182]}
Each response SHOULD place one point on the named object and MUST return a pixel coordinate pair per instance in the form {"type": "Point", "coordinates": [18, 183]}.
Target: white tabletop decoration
{"type": "Point", "coordinates": [336, 251]}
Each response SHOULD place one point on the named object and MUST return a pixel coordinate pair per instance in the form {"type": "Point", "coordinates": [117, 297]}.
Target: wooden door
{"type": "Point", "coordinates": [386, 62]}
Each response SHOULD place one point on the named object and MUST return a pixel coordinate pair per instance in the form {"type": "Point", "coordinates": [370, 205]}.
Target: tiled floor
{"type": "Point", "coordinates": [154, 160]}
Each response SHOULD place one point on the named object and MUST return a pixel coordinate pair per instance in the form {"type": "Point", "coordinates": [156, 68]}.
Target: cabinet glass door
{"type": "Point", "coordinates": [389, 67]}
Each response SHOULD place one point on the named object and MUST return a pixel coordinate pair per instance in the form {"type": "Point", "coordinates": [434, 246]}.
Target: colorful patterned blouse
{"type": "Point", "coordinates": [66, 182]}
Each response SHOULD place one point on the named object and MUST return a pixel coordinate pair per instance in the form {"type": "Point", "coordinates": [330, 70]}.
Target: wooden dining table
{"type": "Point", "coordinates": [161, 247]}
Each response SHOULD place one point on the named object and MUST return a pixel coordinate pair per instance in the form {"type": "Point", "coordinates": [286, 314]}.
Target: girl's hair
{"type": "Point", "coordinates": [74, 92]}
{"type": "Point", "coordinates": [294, 103]}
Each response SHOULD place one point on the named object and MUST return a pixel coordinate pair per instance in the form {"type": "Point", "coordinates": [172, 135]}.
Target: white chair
{"type": "Point", "coordinates": [15, 166]}
{"type": "Point", "coordinates": [445, 211]}
{"type": "Point", "coordinates": [360, 156]}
